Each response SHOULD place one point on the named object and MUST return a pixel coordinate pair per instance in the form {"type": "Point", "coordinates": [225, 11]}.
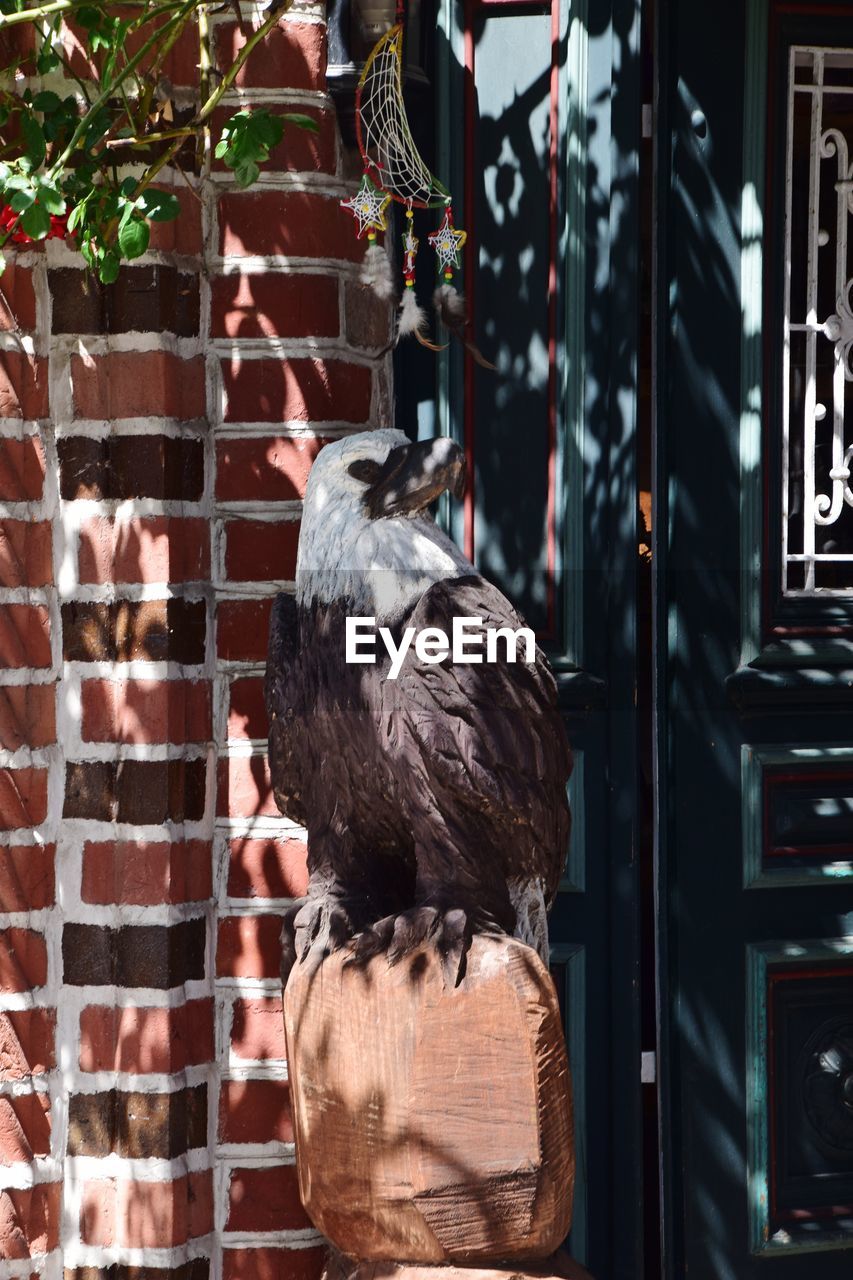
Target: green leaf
{"type": "Point", "coordinates": [116, 33]}
{"type": "Point", "coordinates": [46, 59]}
{"type": "Point", "coordinates": [53, 127]}
{"type": "Point", "coordinates": [159, 206]}
{"type": "Point", "coordinates": [36, 221]}
{"type": "Point", "coordinates": [47, 102]}
{"type": "Point", "coordinates": [76, 215]}
{"type": "Point", "coordinates": [247, 173]}
{"type": "Point", "coordinates": [107, 207]}
{"type": "Point", "coordinates": [2, 264]}
{"type": "Point", "coordinates": [264, 129]}
{"type": "Point", "coordinates": [301, 121]}
{"type": "Point", "coordinates": [96, 128]}
{"type": "Point", "coordinates": [109, 267]}
{"type": "Point", "coordinates": [33, 141]}
{"type": "Point", "coordinates": [233, 123]}
{"type": "Point", "coordinates": [246, 141]}
{"type": "Point", "coordinates": [22, 200]}
{"type": "Point", "coordinates": [240, 146]}
{"type": "Point", "coordinates": [18, 182]}
{"type": "Point", "coordinates": [51, 198]}
{"type": "Point", "coordinates": [133, 237]}
{"type": "Point", "coordinates": [64, 120]}
{"type": "Point", "coordinates": [88, 17]}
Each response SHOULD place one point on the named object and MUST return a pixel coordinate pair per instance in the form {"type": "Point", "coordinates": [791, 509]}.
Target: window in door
{"type": "Point", "coordinates": [817, 376]}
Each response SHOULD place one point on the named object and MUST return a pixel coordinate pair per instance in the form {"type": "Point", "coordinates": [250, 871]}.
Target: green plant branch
{"type": "Point", "coordinates": [127, 107]}
{"type": "Point", "coordinates": [204, 68]}
{"type": "Point", "coordinates": [74, 169]}
{"type": "Point", "coordinates": [204, 113]}
{"type": "Point", "coordinates": [10, 231]}
{"type": "Point", "coordinates": [148, 13]}
{"type": "Point", "coordinates": [110, 90]}
{"type": "Point", "coordinates": [188, 184]}
{"type": "Point", "coordinates": [212, 102]}
{"type": "Point", "coordinates": [47, 33]}
{"type": "Point", "coordinates": [152, 71]}
{"type": "Point", "coordinates": [62, 6]}
{"type": "Point", "coordinates": [34, 15]}
{"type": "Point", "coordinates": [66, 62]}
{"type": "Point", "coordinates": [145, 139]}
{"type": "Point", "coordinates": [234, 70]}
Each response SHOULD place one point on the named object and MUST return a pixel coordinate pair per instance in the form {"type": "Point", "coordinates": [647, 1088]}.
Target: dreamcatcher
{"type": "Point", "coordinates": [395, 170]}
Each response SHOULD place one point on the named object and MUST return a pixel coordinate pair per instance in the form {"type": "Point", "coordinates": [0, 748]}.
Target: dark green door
{"type": "Point", "coordinates": [754, 697]}
{"type": "Point", "coordinates": [540, 128]}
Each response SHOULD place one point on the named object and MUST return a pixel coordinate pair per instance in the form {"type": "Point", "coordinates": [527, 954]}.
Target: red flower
{"type": "Point", "coordinates": [8, 218]}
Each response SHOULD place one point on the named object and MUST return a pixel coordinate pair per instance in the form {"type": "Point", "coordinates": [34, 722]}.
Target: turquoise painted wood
{"type": "Point", "coordinates": [753, 739]}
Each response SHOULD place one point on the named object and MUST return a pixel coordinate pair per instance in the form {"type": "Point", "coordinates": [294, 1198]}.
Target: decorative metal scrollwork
{"type": "Point", "coordinates": [838, 328]}
{"type": "Point", "coordinates": [817, 407]}
{"type": "Point", "coordinates": [828, 1085]}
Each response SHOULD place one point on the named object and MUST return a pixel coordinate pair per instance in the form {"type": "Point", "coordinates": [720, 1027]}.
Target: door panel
{"type": "Point", "coordinates": [540, 129]}
{"type": "Point", "coordinates": [753, 619]}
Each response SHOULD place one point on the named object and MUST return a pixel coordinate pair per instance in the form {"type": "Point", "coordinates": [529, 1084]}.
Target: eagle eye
{"type": "Point", "coordinates": [365, 469]}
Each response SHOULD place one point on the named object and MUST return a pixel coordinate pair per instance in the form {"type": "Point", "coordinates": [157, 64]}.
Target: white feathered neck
{"type": "Point", "coordinates": [376, 568]}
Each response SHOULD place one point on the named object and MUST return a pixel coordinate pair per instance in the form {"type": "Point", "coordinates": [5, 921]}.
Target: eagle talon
{"type": "Point", "coordinates": [454, 942]}
{"type": "Point", "coordinates": [449, 930]}
{"type": "Point", "coordinates": [411, 930]}
{"type": "Point", "coordinates": [373, 941]}
{"type": "Point", "coordinates": [320, 926]}
{"type": "Point", "coordinates": [288, 939]}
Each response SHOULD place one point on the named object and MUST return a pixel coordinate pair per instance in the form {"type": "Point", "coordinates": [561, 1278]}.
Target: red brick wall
{"type": "Point", "coordinates": [155, 439]}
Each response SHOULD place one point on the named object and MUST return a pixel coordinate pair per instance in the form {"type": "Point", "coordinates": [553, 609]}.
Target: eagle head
{"type": "Point", "coordinates": [367, 539]}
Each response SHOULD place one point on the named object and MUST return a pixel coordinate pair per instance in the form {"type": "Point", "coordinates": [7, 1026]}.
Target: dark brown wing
{"type": "Point", "coordinates": [490, 735]}
{"type": "Point", "coordinates": [284, 753]}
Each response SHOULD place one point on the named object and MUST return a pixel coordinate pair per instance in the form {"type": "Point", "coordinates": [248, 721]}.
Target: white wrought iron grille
{"type": "Point", "coordinates": [817, 524]}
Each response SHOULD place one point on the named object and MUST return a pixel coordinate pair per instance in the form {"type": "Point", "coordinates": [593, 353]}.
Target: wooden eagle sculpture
{"type": "Point", "coordinates": [435, 802]}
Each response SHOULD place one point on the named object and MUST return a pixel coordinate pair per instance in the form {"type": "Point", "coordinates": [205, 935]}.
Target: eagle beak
{"type": "Point", "coordinates": [415, 475]}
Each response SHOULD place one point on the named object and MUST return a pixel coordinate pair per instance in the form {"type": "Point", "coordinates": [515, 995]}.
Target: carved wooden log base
{"type": "Point", "coordinates": [433, 1124]}
{"type": "Point", "coordinates": [558, 1267]}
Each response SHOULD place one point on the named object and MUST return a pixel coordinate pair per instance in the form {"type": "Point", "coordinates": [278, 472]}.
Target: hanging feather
{"type": "Point", "coordinates": [412, 315]}
{"type": "Point", "coordinates": [376, 272]}
{"type": "Point", "coordinates": [450, 306]}
{"type": "Point", "coordinates": [413, 321]}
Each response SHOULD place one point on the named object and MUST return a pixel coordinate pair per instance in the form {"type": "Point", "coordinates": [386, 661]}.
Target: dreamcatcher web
{"type": "Point", "coordinates": [385, 139]}
{"type": "Point", "coordinates": [393, 168]}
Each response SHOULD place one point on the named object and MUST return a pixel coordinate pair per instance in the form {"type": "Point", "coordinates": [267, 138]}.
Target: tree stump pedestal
{"type": "Point", "coordinates": [559, 1267]}
{"type": "Point", "coordinates": [433, 1123]}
